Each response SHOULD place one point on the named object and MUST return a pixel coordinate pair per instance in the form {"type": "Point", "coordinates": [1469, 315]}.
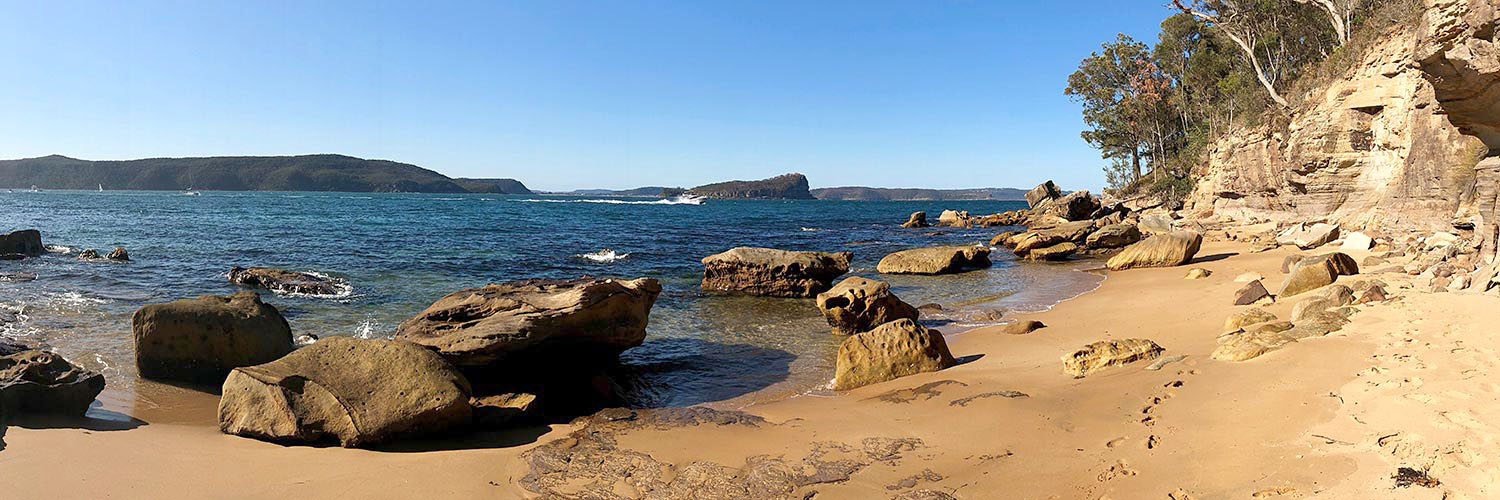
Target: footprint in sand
{"type": "Point", "coordinates": [1116, 442]}
{"type": "Point", "coordinates": [1273, 492]}
{"type": "Point", "coordinates": [1152, 442]}
{"type": "Point", "coordinates": [1119, 469]}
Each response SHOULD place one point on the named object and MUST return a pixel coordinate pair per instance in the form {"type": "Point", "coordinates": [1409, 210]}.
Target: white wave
{"type": "Point", "coordinates": [366, 330]}
{"type": "Point", "coordinates": [62, 249]}
{"type": "Point", "coordinates": [810, 229]}
{"type": "Point", "coordinates": [72, 299]}
{"type": "Point", "coordinates": [341, 288]}
{"type": "Point", "coordinates": [104, 364]}
{"type": "Point", "coordinates": [680, 200]}
{"type": "Point", "coordinates": [604, 256]}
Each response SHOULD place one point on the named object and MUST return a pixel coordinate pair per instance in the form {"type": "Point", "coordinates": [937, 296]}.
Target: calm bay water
{"type": "Point", "coordinates": [400, 252]}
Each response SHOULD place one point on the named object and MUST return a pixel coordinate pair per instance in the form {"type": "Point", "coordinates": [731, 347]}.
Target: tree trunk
{"type": "Point", "coordinates": [1135, 164]}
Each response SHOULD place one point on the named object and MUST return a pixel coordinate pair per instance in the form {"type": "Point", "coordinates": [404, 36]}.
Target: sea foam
{"type": "Point", "coordinates": [603, 256]}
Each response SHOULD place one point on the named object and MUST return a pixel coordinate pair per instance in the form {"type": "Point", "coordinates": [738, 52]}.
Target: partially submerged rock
{"type": "Point", "coordinates": [1162, 250]}
{"type": "Point", "coordinates": [285, 281]}
{"type": "Point", "coordinates": [574, 320]}
{"type": "Point", "coordinates": [41, 382]}
{"type": "Point", "coordinates": [118, 254]}
{"type": "Point", "coordinates": [889, 352]}
{"type": "Point", "coordinates": [917, 220]}
{"type": "Point", "coordinates": [935, 260]}
{"type": "Point", "coordinates": [200, 340]}
{"type": "Point", "coordinates": [775, 273]}
{"type": "Point", "coordinates": [1075, 232]}
{"type": "Point", "coordinates": [358, 392]}
{"type": "Point", "coordinates": [26, 242]}
{"type": "Point", "coordinates": [1315, 272]}
{"type": "Point", "coordinates": [1107, 353]}
{"type": "Point", "coordinates": [858, 305]}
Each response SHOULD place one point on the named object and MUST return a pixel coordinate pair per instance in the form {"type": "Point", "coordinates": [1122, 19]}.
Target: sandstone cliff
{"type": "Point", "coordinates": [1399, 143]}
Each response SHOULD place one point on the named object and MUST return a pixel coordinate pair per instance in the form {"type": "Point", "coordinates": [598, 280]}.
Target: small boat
{"type": "Point", "coordinates": [191, 193]}
{"type": "Point", "coordinates": [101, 188]}
{"type": "Point", "coordinates": [689, 199]}
{"type": "Point", "coordinates": [34, 189]}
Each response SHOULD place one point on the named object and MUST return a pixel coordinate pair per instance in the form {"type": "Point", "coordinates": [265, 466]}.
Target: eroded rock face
{"type": "Point", "coordinates": [1060, 251]}
{"type": "Point", "coordinates": [1074, 232]}
{"type": "Point", "coordinates": [1074, 206]}
{"type": "Point", "coordinates": [358, 392]}
{"type": "Point", "coordinates": [774, 273]}
{"type": "Point", "coordinates": [576, 320]}
{"type": "Point", "coordinates": [1107, 353]}
{"type": "Point", "coordinates": [890, 351]}
{"type": "Point", "coordinates": [1248, 317]}
{"type": "Point", "coordinates": [1251, 293]}
{"type": "Point", "coordinates": [935, 260]}
{"type": "Point", "coordinates": [200, 340]}
{"type": "Point", "coordinates": [1043, 192]}
{"type": "Point", "coordinates": [1307, 236]}
{"type": "Point", "coordinates": [27, 242]}
{"type": "Point", "coordinates": [1253, 341]}
{"type": "Point", "coordinates": [1315, 272]}
{"type": "Point", "coordinates": [285, 281]}
{"type": "Point", "coordinates": [859, 305]}
{"type": "Point", "coordinates": [42, 382]}
{"type": "Point", "coordinates": [1114, 236]}
{"type": "Point", "coordinates": [1162, 250]}
{"type": "Point", "coordinates": [917, 219]}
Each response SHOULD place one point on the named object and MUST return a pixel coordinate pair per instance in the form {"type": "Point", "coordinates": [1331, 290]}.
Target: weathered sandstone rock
{"type": "Point", "coordinates": [42, 382]}
{"type": "Point", "coordinates": [1022, 327]}
{"type": "Point", "coordinates": [27, 242]}
{"type": "Point", "coordinates": [577, 320]}
{"type": "Point", "coordinates": [1162, 250]}
{"type": "Point", "coordinates": [500, 411]}
{"type": "Point", "coordinates": [1060, 251]}
{"type": "Point", "coordinates": [889, 352]}
{"type": "Point", "coordinates": [917, 220]}
{"type": "Point", "coordinates": [1075, 232]}
{"type": "Point", "coordinates": [1005, 239]}
{"type": "Point", "coordinates": [1371, 294]}
{"type": "Point", "coordinates": [1074, 206]}
{"type": "Point", "coordinates": [1251, 293]}
{"type": "Point", "coordinates": [283, 280]}
{"type": "Point", "coordinates": [1248, 317]}
{"type": "Point", "coordinates": [1113, 236]}
{"type": "Point", "coordinates": [1314, 272]}
{"type": "Point", "coordinates": [200, 340]}
{"type": "Point", "coordinates": [1248, 277]}
{"type": "Point", "coordinates": [1043, 192]}
{"type": "Point", "coordinates": [935, 260]}
{"type": "Point", "coordinates": [1253, 341]}
{"type": "Point", "coordinates": [1197, 273]}
{"type": "Point", "coordinates": [1107, 353]}
{"type": "Point", "coordinates": [1156, 224]}
{"type": "Point", "coordinates": [858, 305]}
{"type": "Point", "coordinates": [1307, 236]}
{"type": "Point", "coordinates": [954, 218]}
{"type": "Point", "coordinates": [1357, 241]}
{"type": "Point", "coordinates": [775, 273]}
{"type": "Point", "coordinates": [356, 391]}
{"type": "Point", "coordinates": [1290, 261]}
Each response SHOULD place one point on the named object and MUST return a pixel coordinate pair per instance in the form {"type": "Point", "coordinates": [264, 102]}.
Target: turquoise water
{"type": "Point", "coordinates": [400, 252]}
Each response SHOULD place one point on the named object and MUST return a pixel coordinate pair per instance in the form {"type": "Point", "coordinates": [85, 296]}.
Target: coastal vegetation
{"type": "Point", "coordinates": [1152, 110]}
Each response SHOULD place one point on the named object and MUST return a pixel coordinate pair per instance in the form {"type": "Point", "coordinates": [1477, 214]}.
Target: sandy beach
{"type": "Point", "coordinates": [1329, 417]}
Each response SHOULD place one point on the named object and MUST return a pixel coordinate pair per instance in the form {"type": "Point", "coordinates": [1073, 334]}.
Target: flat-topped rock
{"type": "Point", "coordinates": [357, 392]}
{"type": "Point", "coordinates": [935, 260]}
{"type": "Point", "coordinates": [1253, 341]}
{"type": "Point", "coordinates": [578, 320]}
{"type": "Point", "coordinates": [1161, 250]}
{"type": "Point", "coordinates": [285, 281]}
{"type": "Point", "coordinates": [859, 305]}
{"type": "Point", "coordinates": [43, 383]}
{"type": "Point", "coordinates": [1060, 251]}
{"type": "Point", "coordinates": [1314, 272]}
{"type": "Point", "coordinates": [200, 340]}
{"type": "Point", "coordinates": [26, 242]}
{"type": "Point", "coordinates": [774, 273]}
{"type": "Point", "coordinates": [1107, 353]}
{"type": "Point", "coordinates": [890, 351]}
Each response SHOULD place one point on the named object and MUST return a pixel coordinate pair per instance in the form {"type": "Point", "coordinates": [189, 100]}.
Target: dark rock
{"type": "Point", "coordinates": [285, 281]}
{"type": "Point", "coordinates": [26, 242]}
{"type": "Point", "coordinates": [356, 391]}
{"type": "Point", "coordinates": [119, 254]}
{"type": "Point", "coordinates": [42, 382]}
{"type": "Point", "coordinates": [1251, 293]}
{"type": "Point", "coordinates": [917, 219]}
{"type": "Point", "coordinates": [89, 254]}
{"type": "Point", "coordinates": [200, 340]}
{"type": "Point", "coordinates": [774, 273]}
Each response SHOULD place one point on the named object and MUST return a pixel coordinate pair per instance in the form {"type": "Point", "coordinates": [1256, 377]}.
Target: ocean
{"type": "Point", "coordinates": [398, 252]}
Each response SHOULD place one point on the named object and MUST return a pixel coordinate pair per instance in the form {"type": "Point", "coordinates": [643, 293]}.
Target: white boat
{"type": "Point", "coordinates": [34, 189]}
{"type": "Point", "coordinates": [689, 199]}
{"type": "Point", "coordinates": [191, 193]}
{"type": "Point", "coordinates": [101, 188]}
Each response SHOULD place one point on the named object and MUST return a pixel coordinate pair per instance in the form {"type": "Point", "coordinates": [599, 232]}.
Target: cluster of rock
{"type": "Point", "coordinates": [118, 254]}
{"type": "Point", "coordinates": [285, 281]}
{"type": "Point", "coordinates": [1253, 332]}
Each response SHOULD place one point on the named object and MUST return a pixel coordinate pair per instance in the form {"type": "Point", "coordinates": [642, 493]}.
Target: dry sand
{"type": "Point", "coordinates": [1407, 383]}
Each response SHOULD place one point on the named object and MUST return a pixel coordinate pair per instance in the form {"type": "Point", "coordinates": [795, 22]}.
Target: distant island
{"type": "Point", "coordinates": [323, 172]}
{"type": "Point", "coordinates": [857, 193]}
{"type": "Point", "coordinates": [781, 187]}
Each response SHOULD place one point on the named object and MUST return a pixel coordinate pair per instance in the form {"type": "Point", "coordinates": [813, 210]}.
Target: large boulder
{"type": "Point", "coordinates": [890, 351]}
{"type": "Point", "coordinates": [775, 273]}
{"type": "Point", "coordinates": [1075, 232]}
{"type": "Point", "coordinates": [1251, 293]}
{"type": "Point", "coordinates": [1315, 272]}
{"type": "Point", "coordinates": [1060, 251]}
{"type": "Point", "coordinates": [27, 242]}
{"type": "Point", "coordinates": [858, 305]}
{"type": "Point", "coordinates": [1253, 341]}
{"type": "Point", "coordinates": [1042, 193]}
{"type": "Point", "coordinates": [1156, 224]}
{"type": "Point", "coordinates": [41, 382]}
{"type": "Point", "coordinates": [935, 260]}
{"type": "Point", "coordinates": [1107, 353]}
{"type": "Point", "coordinates": [954, 218]}
{"type": "Point", "coordinates": [1248, 317]}
{"type": "Point", "coordinates": [200, 340]}
{"type": "Point", "coordinates": [282, 280]}
{"type": "Point", "coordinates": [575, 320]}
{"type": "Point", "coordinates": [1113, 236]}
{"type": "Point", "coordinates": [1161, 250]}
{"type": "Point", "coordinates": [917, 219]}
{"type": "Point", "coordinates": [1077, 205]}
{"type": "Point", "coordinates": [1307, 236]}
{"type": "Point", "coordinates": [356, 391]}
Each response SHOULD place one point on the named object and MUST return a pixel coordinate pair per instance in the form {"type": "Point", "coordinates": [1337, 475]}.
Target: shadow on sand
{"type": "Point", "coordinates": [689, 371]}
{"type": "Point", "coordinates": [95, 419]}
{"type": "Point", "coordinates": [1214, 257]}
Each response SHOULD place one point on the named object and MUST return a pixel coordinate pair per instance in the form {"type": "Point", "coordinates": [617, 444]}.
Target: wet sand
{"type": "Point", "coordinates": [1313, 419]}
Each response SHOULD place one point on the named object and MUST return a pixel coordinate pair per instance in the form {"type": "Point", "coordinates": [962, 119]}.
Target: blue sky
{"type": "Point", "coordinates": [563, 94]}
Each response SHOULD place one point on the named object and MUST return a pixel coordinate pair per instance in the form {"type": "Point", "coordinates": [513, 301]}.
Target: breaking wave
{"type": "Point", "coordinates": [603, 256]}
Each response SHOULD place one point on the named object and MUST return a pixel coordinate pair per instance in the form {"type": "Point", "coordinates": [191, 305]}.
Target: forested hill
{"type": "Point", "coordinates": [781, 187]}
{"type": "Point", "coordinates": [902, 194]}
{"type": "Point", "coordinates": [230, 173]}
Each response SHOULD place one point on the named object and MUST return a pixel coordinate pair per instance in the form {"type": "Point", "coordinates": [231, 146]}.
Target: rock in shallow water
{"type": "Point", "coordinates": [42, 382]}
{"type": "Point", "coordinates": [935, 260]}
{"type": "Point", "coordinates": [27, 243]}
{"type": "Point", "coordinates": [1107, 353]}
{"type": "Point", "coordinates": [775, 273]}
{"type": "Point", "coordinates": [917, 220]}
{"type": "Point", "coordinates": [283, 280]}
{"type": "Point", "coordinates": [356, 391]}
{"type": "Point", "coordinates": [576, 320]}
{"type": "Point", "coordinates": [200, 340]}
{"type": "Point", "coordinates": [890, 351]}
{"type": "Point", "coordinates": [859, 305]}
